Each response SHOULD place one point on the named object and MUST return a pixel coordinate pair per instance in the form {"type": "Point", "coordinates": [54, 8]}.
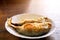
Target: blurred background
{"type": "Point", "coordinates": [49, 8]}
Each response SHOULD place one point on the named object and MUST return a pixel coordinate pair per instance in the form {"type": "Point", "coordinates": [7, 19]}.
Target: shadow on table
{"type": "Point", "coordinates": [46, 38]}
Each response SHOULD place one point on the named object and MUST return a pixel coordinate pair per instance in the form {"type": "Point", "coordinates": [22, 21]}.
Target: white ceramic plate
{"type": "Point", "coordinates": [13, 32]}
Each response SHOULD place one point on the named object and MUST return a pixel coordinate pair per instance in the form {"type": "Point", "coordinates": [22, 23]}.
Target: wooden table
{"type": "Point", "coordinates": [9, 8]}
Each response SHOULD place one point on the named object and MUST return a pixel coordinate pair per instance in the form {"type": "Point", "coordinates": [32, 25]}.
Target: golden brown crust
{"type": "Point", "coordinates": [33, 26]}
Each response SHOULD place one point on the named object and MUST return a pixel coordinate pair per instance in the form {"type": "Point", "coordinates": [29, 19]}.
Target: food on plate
{"type": "Point", "coordinates": [30, 24]}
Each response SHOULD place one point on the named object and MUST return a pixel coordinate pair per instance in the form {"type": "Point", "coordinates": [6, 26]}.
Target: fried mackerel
{"type": "Point", "coordinates": [32, 27]}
